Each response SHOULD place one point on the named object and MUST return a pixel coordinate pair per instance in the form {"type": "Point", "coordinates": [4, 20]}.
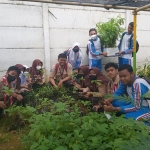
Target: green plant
{"type": "Point", "coordinates": [144, 71]}
{"type": "Point", "coordinates": [98, 82]}
{"type": "Point", "coordinates": [59, 130]}
{"type": "Point", "coordinates": [18, 116]}
{"type": "Point", "coordinates": [4, 138]}
{"type": "Point", "coordinates": [8, 91]}
{"type": "Point", "coordinates": [110, 31]}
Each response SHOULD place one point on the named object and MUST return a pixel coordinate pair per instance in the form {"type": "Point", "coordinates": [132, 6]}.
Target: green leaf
{"type": "Point", "coordinates": [34, 146]}
{"type": "Point", "coordinates": [61, 148]}
{"type": "Point", "coordinates": [75, 147]}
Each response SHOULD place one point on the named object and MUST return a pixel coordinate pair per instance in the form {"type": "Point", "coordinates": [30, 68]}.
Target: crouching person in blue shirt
{"type": "Point", "coordinates": [136, 88]}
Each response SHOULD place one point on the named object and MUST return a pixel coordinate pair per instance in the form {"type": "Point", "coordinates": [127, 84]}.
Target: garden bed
{"type": "Point", "coordinates": [55, 120]}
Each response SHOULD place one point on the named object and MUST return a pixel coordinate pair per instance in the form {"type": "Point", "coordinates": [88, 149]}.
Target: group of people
{"type": "Point", "coordinates": [95, 50]}
{"type": "Point", "coordinates": [118, 81]}
{"type": "Point", "coordinates": [89, 81]}
{"type": "Point", "coordinates": [20, 79]}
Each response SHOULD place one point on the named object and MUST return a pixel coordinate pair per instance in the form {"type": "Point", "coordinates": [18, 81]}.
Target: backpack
{"type": "Point", "coordinates": [57, 66]}
{"type": "Point", "coordinates": [87, 49]}
{"type": "Point", "coordinates": [145, 78]}
{"type": "Point", "coordinates": [137, 44]}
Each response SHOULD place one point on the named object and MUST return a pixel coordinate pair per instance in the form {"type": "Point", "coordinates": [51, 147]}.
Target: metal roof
{"type": "Point", "coordinates": [130, 3]}
{"type": "Point", "coordinates": [136, 5]}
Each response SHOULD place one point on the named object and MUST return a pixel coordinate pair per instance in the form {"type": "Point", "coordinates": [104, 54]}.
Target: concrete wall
{"type": "Point", "coordinates": [34, 30]}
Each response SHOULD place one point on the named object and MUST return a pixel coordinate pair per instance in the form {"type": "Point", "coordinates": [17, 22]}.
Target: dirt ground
{"type": "Point", "coordinates": [10, 140]}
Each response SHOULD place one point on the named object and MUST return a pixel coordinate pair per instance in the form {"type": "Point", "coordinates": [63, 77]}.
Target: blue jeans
{"type": "Point", "coordinates": [124, 61]}
{"type": "Point", "coordinates": [95, 63]}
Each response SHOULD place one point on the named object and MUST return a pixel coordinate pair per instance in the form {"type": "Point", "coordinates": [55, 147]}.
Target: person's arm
{"type": "Point", "coordinates": [119, 92]}
{"type": "Point", "coordinates": [79, 60]}
{"type": "Point", "coordinates": [66, 79]}
{"type": "Point", "coordinates": [52, 75]}
{"type": "Point", "coordinates": [42, 81]}
{"type": "Point", "coordinates": [19, 97]}
{"type": "Point", "coordinates": [67, 52]}
{"type": "Point", "coordinates": [129, 50]}
{"type": "Point", "coordinates": [92, 49]}
{"type": "Point", "coordinates": [101, 91]}
{"type": "Point", "coordinates": [69, 75]}
{"type": "Point", "coordinates": [136, 101]}
{"type": "Point", "coordinates": [1, 90]}
{"type": "Point", "coordinates": [52, 81]}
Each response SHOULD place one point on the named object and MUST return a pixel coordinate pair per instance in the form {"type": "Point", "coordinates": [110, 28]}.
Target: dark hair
{"type": "Point", "coordinates": [62, 55]}
{"type": "Point", "coordinates": [92, 29]}
{"type": "Point", "coordinates": [75, 68]}
{"type": "Point", "coordinates": [14, 68]}
{"type": "Point", "coordinates": [127, 67]}
{"type": "Point", "coordinates": [131, 24]}
{"type": "Point", "coordinates": [111, 64]}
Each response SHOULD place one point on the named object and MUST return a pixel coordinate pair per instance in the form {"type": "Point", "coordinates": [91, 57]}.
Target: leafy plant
{"type": "Point", "coordinates": [8, 91]}
{"type": "Point", "coordinates": [18, 116]}
{"type": "Point", "coordinates": [98, 82]}
{"type": "Point", "coordinates": [94, 131]}
{"type": "Point", "coordinates": [110, 31]}
{"type": "Point", "coordinates": [144, 71]}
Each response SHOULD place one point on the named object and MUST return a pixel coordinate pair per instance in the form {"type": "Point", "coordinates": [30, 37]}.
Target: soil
{"type": "Point", "coordinates": [10, 140]}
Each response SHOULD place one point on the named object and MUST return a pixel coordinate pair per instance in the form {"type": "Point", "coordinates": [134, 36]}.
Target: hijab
{"type": "Point", "coordinates": [74, 57]}
{"type": "Point", "coordinates": [85, 70]}
{"type": "Point", "coordinates": [32, 70]}
{"type": "Point", "coordinates": [103, 79]}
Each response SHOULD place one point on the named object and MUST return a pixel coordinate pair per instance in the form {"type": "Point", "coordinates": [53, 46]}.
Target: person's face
{"type": "Point", "coordinates": [75, 71]}
{"type": "Point", "coordinates": [80, 71]}
{"type": "Point", "coordinates": [39, 64]}
{"type": "Point", "coordinates": [62, 61]}
{"type": "Point", "coordinates": [22, 69]}
{"type": "Point", "coordinates": [126, 77]}
{"type": "Point", "coordinates": [12, 73]}
{"type": "Point", "coordinates": [111, 72]}
{"type": "Point", "coordinates": [130, 29]}
{"type": "Point", "coordinates": [92, 72]}
{"type": "Point", "coordinates": [27, 70]}
{"type": "Point", "coordinates": [76, 49]}
{"type": "Point", "coordinates": [92, 33]}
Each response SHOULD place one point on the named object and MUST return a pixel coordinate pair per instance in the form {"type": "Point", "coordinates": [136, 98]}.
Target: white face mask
{"type": "Point", "coordinates": [21, 72]}
{"type": "Point", "coordinates": [25, 73]}
{"type": "Point", "coordinates": [93, 37]}
{"type": "Point", "coordinates": [38, 67]}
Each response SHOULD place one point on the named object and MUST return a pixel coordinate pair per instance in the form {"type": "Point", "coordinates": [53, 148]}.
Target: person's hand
{"type": "Point", "coordinates": [78, 86]}
{"type": "Point", "coordinates": [109, 108]}
{"type": "Point", "coordinates": [88, 94]}
{"type": "Point", "coordinates": [19, 97]}
{"type": "Point", "coordinates": [38, 77]}
{"type": "Point", "coordinates": [107, 101]}
{"type": "Point", "coordinates": [67, 51]}
{"type": "Point", "coordinates": [120, 53]}
{"type": "Point", "coordinates": [104, 54]}
{"type": "Point", "coordinates": [56, 87]}
{"type": "Point", "coordinates": [96, 107]}
{"type": "Point", "coordinates": [2, 105]}
{"type": "Point", "coordinates": [60, 84]}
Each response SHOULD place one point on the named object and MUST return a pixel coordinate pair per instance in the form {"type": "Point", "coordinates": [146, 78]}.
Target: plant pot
{"type": "Point", "coordinates": [111, 51]}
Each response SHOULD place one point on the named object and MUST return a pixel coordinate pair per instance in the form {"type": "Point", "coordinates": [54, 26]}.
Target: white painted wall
{"type": "Point", "coordinates": [34, 30]}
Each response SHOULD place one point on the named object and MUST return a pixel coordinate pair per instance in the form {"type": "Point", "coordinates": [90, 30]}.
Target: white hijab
{"type": "Point", "coordinates": [74, 57]}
